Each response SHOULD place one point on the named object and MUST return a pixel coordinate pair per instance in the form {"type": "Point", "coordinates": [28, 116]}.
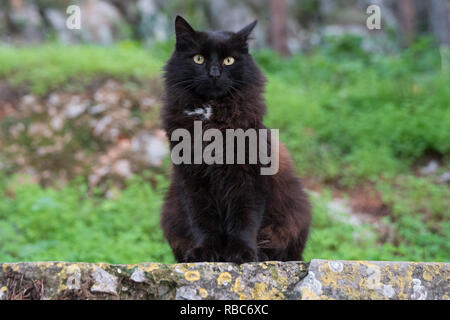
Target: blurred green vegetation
{"type": "Point", "coordinates": [39, 224]}
{"type": "Point", "coordinates": [348, 117]}
{"type": "Point", "coordinates": [353, 116]}
{"type": "Point", "coordinates": [47, 67]}
{"type": "Point", "coordinates": [69, 224]}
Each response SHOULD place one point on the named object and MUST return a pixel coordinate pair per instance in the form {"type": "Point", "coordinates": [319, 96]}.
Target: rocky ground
{"type": "Point", "coordinates": [106, 133]}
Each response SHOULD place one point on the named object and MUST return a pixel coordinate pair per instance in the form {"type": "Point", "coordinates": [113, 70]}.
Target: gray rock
{"type": "Point", "coordinates": [444, 178]}
{"type": "Point", "coordinates": [138, 275]}
{"type": "Point", "coordinates": [153, 149]}
{"type": "Point", "coordinates": [375, 280]}
{"type": "Point", "coordinates": [3, 292]}
{"type": "Point", "coordinates": [430, 168]}
{"type": "Point", "coordinates": [27, 16]}
{"type": "Point", "coordinates": [75, 108]}
{"type": "Point", "coordinates": [57, 20]}
{"type": "Point", "coordinates": [187, 293]}
{"type": "Point", "coordinates": [100, 21]}
{"type": "Point", "coordinates": [104, 282]}
{"type": "Point", "coordinates": [98, 108]}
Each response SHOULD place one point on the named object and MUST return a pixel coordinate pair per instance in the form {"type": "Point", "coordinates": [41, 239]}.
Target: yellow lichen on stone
{"type": "Point", "coordinates": [335, 279]}
{"type": "Point", "coordinates": [203, 293]}
{"type": "Point", "coordinates": [192, 275]}
{"type": "Point", "coordinates": [71, 269]}
{"type": "Point", "coordinates": [329, 279]}
{"type": "Point", "coordinates": [266, 280]}
{"type": "Point", "coordinates": [280, 280]}
{"type": "Point", "coordinates": [364, 263]}
{"type": "Point", "coordinates": [3, 293]}
{"type": "Point", "coordinates": [369, 280]}
{"type": "Point", "coordinates": [62, 276]}
{"type": "Point", "coordinates": [67, 271]}
{"type": "Point", "coordinates": [13, 266]}
{"type": "Point", "coordinates": [44, 265]}
{"type": "Point", "coordinates": [150, 268]}
{"type": "Point", "coordinates": [308, 294]}
{"type": "Point", "coordinates": [224, 278]}
{"type": "Point", "coordinates": [103, 265]}
{"type": "Point", "coordinates": [131, 266]}
{"type": "Point", "coordinates": [404, 283]}
{"type": "Point", "coordinates": [351, 293]}
{"type": "Point", "coordinates": [260, 292]}
{"type": "Point", "coordinates": [237, 287]}
{"type": "Point", "coordinates": [429, 271]}
{"type": "Point", "coordinates": [180, 268]}
{"type": "Point", "coordinates": [427, 276]}
{"type": "Point", "coordinates": [283, 282]}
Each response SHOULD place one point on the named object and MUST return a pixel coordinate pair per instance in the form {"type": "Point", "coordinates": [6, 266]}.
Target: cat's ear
{"type": "Point", "coordinates": [183, 28]}
{"type": "Point", "coordinates": [245, 32]}
{"type": "Point", "coordinates": [184, 33]}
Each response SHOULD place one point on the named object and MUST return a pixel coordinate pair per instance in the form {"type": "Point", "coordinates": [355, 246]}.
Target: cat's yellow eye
{"type": "Point", "coordinates": [199, 59]}
{"type": "Point", "coordinates": [228, 61]}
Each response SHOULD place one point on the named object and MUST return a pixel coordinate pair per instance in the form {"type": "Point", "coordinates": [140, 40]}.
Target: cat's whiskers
{"type": "Point", "coordinates": [236, 91]}
{"type": "Point", "coordinates": [176, 84]}
{"type": "Point", "coordinates": [230, 92]}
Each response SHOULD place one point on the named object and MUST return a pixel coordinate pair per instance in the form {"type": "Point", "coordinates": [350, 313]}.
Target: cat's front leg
{"type": "Point", "coordinates": [205, 231]}
{"type": "Point", "coordinates": [207, 246]}
{"type": "Point", "coordinates": [242, 233]}
{"type": "Point", "coordinates": [202, 253]}
{"type": "Point", "coordinates": [245, 211]}
{"type": "Point", "coordinates": [241, 251]}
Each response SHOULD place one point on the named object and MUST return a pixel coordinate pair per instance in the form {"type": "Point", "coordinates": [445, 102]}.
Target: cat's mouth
{"type": "Point", "coordinates": [213, 90]}
{"type": "Point", "coordinates": [218, 91]}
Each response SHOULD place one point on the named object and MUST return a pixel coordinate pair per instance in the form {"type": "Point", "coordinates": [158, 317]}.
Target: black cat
{"type": "Point", "coordinates": [226, 212]}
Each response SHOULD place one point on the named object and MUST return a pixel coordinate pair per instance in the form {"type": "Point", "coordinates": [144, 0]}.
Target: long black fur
{"type": "Point", "coordinates": [226, 212]}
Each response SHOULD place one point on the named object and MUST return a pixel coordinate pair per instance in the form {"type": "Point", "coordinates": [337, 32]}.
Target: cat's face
{"type": "Point", "coordinates": [211, 64]}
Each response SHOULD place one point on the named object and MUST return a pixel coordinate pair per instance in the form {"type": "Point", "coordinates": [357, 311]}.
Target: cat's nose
{"type": "Point", "coordinates": [214, 72]}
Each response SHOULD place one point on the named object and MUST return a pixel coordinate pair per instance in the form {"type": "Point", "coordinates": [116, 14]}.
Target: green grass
{"type": "Point", "coordinates": [347, 117]}
{"type": "Point", "coordinates": [416, 239]}
{"type": "Point", "coordinates": [68, 224]}
{"type": "Point", "coordinates": [353, 119]}
{"type": "Point", "coordinates": [39, 224]}
{"type": "Point", "coordinates": [330, 239]}
{"type": "Point", "coordinates": [47, 67]}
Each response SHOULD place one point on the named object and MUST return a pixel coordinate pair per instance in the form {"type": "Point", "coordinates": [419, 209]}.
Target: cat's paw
{"type": "Point", "coordinates": [262, 256]}
{"type": "Point", "coordinates": [241, 253]}
{"type": "Point", "coordinates": [202, 254]}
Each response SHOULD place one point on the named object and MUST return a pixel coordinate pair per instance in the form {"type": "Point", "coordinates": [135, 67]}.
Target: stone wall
{"type": "Point", "coordinates": [320, 279]}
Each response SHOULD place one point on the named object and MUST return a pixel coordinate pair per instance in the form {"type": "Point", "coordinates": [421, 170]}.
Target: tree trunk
{"type": "Point", "coordinates": [439, 21]}
{"type": "Point", "coordinates": [278, 29]}
{"type": "Point", "coordinates": [440, 26]}
{"type": "Point", "coordinates": [407, 13]}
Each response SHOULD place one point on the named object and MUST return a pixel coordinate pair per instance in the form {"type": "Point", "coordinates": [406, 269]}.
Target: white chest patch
{"type": "Point", "coordinates": [205, 112]}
